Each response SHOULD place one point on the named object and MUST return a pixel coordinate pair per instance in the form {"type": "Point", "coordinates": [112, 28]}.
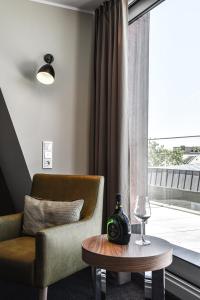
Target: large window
{"type": "Point", "coordinates": [174, 123]}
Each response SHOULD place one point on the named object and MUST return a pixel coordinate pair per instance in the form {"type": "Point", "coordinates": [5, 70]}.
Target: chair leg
{"type": "Point", "coordinates": [42, 293]}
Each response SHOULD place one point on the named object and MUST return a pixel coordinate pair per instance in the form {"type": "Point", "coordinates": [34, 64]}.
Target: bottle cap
{"type": "Point", "coordinates": [118, 198]}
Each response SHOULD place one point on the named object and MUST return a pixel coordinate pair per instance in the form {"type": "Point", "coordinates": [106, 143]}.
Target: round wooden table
{"type": "Point", "coordinates": [99, 253]}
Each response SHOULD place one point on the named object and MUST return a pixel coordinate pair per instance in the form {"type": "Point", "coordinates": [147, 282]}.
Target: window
{"type": "Point", "coordinates": [174, 127]}
{"type": "Point", "coordinates": [166, 46]}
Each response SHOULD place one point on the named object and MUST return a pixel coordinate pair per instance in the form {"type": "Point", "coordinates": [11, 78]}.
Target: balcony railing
{"type": "Point", "coordinates": [180, 179]}
{"type": "Point", "coordinates": [174, 192]}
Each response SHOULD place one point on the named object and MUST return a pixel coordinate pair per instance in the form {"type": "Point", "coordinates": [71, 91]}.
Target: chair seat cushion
{"type": "Point", "coordinates": [17, 260]}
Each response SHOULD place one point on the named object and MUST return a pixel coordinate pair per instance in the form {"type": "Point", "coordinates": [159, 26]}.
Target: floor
{"type": "Point", "coordinates": [179, 227]}
{"type": "Point", "coordinates": [75, 287]}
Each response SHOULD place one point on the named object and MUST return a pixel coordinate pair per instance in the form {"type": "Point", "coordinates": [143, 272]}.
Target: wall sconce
{"type": "Point", "coordinates": [46, 73]}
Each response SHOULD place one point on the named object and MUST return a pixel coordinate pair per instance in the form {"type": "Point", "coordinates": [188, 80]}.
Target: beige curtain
{"type": "Point", "coordinates": [109, 155]}
{"type": "Point", "coordinates": [138, 77]}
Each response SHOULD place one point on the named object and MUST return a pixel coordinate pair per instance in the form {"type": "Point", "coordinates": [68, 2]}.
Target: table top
{"type": "Point", "coordinates": [99, 252]}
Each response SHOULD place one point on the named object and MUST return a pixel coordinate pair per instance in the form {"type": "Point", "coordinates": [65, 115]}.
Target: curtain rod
{"type": "Point", "coordinates": [133, 3]}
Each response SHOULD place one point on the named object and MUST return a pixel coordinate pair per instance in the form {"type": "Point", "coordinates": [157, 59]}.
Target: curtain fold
{"type": "Point", "coordinates": [138, 76]}
{"type": "Point", "coordinates": [109, 152]}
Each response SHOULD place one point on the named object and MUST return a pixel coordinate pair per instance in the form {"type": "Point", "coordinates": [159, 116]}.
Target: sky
{"type": "Point", "coordinates": [174, 78]}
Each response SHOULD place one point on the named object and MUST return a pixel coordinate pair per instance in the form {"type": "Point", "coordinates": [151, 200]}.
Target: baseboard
{"type": "Point", "coordinates": [181, 288]}
{"type": "Point", "coordinates": [174, 285]}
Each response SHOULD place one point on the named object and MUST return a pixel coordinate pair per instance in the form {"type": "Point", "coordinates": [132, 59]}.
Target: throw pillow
{"type": "Point", "coordinates": [40, 214]}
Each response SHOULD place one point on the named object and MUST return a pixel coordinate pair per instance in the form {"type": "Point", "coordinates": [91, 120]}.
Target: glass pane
{"type": "Point", "coordinates": [174, 127]}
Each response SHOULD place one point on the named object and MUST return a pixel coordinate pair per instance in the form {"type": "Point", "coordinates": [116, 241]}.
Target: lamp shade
{"type": "Point", "coordinates": [46, 74]}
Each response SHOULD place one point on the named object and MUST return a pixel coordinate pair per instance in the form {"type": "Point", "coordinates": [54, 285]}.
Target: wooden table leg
{"type": "Point", "coordinates": [158, 285]}
{"type": "Point", "coordinates": [99, 282]}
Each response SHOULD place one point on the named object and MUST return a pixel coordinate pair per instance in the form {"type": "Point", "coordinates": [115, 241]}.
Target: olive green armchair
{"type": "Point", "coordinates": [54, 253]}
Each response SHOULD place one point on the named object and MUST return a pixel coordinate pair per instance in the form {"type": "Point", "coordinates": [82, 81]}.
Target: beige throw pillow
{"type": "Point", "coordinates": [40, 214]}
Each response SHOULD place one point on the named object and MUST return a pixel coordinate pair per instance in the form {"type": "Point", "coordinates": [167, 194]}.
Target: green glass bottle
{"type": "Point", "coordinates": [118, 225]}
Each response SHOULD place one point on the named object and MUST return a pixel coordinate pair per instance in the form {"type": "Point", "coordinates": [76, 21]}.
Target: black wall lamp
{"type": "Point", "coordinates": [46, 73]}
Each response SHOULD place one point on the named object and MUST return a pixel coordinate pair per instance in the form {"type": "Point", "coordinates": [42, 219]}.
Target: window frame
{"type": "Point", "coordinates": [183, 258]}
{"type": "Point", "coordinates": [137, 8]}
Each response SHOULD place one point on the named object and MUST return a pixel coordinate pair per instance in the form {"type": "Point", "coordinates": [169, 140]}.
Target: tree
{"type": "Point", "coordinates": [160, 156]}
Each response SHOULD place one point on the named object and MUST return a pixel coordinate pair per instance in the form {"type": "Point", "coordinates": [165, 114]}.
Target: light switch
{"type": "Point", "coordinates": [47, 155]}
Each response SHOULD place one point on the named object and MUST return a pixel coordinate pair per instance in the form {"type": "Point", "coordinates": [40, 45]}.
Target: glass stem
{"type": "Point", "coordinates": [142, 231]}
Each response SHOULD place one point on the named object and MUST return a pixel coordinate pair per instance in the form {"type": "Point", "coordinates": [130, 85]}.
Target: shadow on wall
{"type": "Point", "coordinates": [28, 70]}
{"type": "Point", "coordinates": [83, 104]}
{"type": "Point", "coordinates": [12, 162]}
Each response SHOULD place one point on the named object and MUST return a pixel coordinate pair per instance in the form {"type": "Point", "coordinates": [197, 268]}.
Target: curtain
{"type": "Point", "coordinates": [138, 77]}
{"type": "Point", "coordinates": [109, 153]}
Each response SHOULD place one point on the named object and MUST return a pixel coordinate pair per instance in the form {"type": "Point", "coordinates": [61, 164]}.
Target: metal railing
{"type": "Point", "coordinates": [174, 178]}
{"type": "Point", "coordinates": [185, 177]}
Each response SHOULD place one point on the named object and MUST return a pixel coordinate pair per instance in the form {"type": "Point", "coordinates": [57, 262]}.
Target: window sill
{"type": "Point", "coordinates": [186, 265]}
{"type": "Point", "coordinates": [187, 255]}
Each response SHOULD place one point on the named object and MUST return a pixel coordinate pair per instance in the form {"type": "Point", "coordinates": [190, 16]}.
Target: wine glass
{"type": "Point", "coordinates": [142, 212]}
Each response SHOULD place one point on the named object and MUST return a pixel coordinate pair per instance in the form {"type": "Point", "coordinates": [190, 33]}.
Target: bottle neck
{"type": "Point", "coordinates": [118, 207]}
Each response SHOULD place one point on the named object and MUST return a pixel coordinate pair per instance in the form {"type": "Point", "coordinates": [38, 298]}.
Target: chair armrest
{"type": "Point", "coordinates": [58, 251]}
{"type": "Point", "coordinates": [10, 226]}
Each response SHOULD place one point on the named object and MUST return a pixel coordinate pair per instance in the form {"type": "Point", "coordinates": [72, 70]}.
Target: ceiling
{"type": "Point", "coordinates": [89, 5]}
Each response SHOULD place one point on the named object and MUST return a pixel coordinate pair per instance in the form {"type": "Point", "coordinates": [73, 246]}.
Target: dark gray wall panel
{"type": "Point", "coordinates": [12, 162]}
{"type": "Point", "coordinates": [6, 204]}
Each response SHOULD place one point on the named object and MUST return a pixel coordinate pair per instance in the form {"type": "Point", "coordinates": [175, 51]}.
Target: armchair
{"type": "Point", "coordinates": [55, 252]}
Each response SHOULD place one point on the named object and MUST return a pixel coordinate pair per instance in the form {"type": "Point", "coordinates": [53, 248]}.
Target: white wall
{"type": "Point", "coordinates": [59, 113]}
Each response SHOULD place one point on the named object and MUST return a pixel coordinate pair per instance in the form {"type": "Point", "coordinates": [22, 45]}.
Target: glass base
{"type": "Point", "coordinates": [142, 242]}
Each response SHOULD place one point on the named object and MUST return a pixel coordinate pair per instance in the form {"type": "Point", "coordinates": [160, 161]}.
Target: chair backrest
{"type": "Point", "coordinates": [68, 188]}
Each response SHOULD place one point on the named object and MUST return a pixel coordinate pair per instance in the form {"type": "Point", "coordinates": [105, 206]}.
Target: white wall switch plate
{"type": "Point", "coordinates": [47, 155]}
